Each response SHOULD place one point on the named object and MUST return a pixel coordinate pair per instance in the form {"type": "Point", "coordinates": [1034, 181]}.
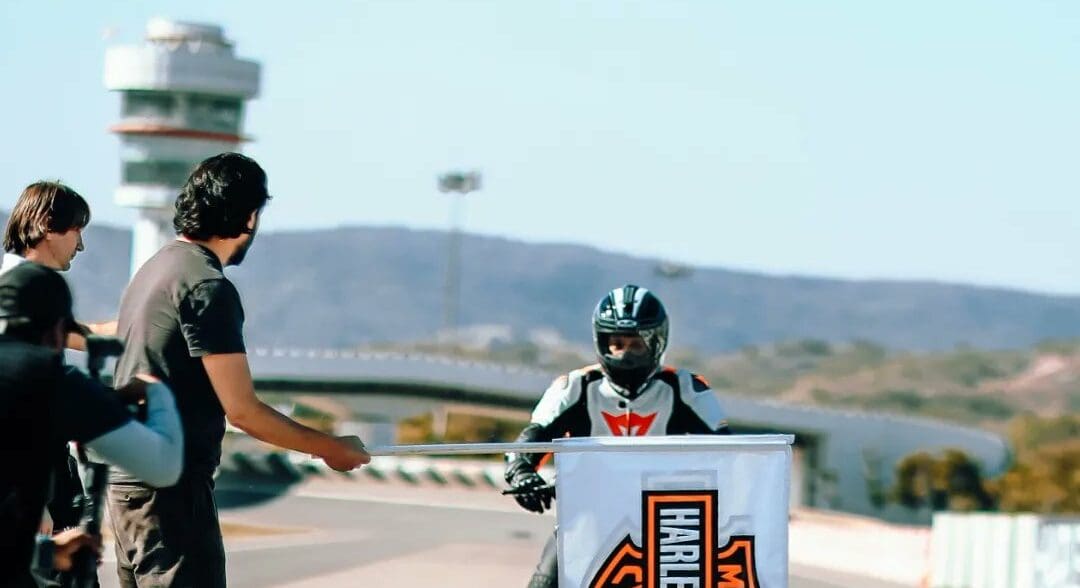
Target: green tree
{"type": "Point", "coordinates": [951, 481]}
{"type": "Point", "coordinates": [914, 486]}
{"type": "Point", "coordinates": [962, 482]}
{"type": "Point", "coordinates": [1045, 477]}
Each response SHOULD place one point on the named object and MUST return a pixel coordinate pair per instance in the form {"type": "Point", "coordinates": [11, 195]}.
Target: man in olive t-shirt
{"type": "Point", "coordinates": [182, 286]}
{"type": "Point", "coordinates": [182, 321]}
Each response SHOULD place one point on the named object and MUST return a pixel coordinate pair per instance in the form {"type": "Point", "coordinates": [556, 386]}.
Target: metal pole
{"type": "Point", "coordinates": [676, 443]}
{"type": "Point", "coordinates": [453, 266]}
{"type": "Point", "coordinates": [458, 184]}
{"type": "Point", "coordinates": [670, 274]}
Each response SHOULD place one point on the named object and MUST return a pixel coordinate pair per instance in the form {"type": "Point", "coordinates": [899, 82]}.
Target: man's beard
{"type": "Point", "coordinates": [238, 256]}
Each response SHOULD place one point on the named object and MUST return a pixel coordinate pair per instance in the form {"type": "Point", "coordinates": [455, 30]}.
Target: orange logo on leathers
{"type": "Point", "coordinates": [630, 424]}
{"type": "Point", "coordinates": [679, 548]}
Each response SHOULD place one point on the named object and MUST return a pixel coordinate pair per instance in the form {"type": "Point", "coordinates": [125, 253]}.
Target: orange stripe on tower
{"type": "Point", "coordinates": [175, 132]}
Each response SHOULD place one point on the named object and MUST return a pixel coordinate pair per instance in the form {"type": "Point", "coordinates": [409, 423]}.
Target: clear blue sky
{"type": "Point", "coordinates": [917, 139]}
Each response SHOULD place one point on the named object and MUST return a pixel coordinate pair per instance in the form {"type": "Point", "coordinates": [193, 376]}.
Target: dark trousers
{"type": "Point", "coordinates": [547, 569]}
{"type": "Point", "coordinates": [168, 536]}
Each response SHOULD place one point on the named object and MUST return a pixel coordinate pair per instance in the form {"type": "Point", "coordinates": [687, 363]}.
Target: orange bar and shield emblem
{"type": "Point", "coordinates": [679, 550]}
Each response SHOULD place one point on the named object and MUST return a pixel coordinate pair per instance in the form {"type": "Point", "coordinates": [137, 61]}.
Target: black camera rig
{"type": "Point", "coordinates": [95, 476]}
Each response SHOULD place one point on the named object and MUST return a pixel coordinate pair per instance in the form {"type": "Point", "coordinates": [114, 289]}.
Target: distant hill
{"type": "Point", "coordinates": [351, 286]}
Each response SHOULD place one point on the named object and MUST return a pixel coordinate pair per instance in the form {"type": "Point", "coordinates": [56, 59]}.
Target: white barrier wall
{"type": "Point", "coordinates": [1004, 551]}
{"type": "Point", "coordinates": [860, 546]}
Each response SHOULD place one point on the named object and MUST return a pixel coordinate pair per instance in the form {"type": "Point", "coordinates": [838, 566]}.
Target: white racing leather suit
{"type": "Point", "coordinates": [586, 403]}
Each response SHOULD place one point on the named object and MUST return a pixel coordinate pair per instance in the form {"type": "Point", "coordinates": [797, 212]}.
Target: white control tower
{"type": "Point", "coordinates": [182, 100]}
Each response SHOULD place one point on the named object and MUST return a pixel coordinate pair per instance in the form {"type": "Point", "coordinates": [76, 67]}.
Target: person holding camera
{"type": "Point", "coordinates": [45, 227]}
{"type": "Point", "coordinates": [44, 405]}
{"type": "Point", "coordinates": [182, 320]}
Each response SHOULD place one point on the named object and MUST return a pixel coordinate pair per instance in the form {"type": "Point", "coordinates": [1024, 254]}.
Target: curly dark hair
{"type": "Point", "coordinates": [218, 198]}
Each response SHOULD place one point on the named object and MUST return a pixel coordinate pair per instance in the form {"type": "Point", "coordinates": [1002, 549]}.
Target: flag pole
{"type": "Point", "coordinates": [583, 444]}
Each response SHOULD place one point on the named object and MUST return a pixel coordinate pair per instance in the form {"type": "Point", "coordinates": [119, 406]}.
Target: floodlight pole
{"type": "Point", "coordinates": [457, 184]}
{"type": "Point", "coordinates": [670, 273]}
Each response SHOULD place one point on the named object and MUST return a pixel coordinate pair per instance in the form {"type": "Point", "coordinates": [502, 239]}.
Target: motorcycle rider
{"type": "Point", "coordinates": [628, 393]}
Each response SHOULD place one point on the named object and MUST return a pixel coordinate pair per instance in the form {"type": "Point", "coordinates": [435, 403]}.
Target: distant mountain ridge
{"type": "Point", "coordinates": [345, 287]}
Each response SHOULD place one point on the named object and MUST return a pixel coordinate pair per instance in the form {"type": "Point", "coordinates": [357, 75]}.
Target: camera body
{"type": "Point", "coordinates": [98, 350]}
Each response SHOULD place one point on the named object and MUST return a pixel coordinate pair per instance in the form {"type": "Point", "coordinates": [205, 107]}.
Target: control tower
{"type": "Point", "coordinates": [182, 100]}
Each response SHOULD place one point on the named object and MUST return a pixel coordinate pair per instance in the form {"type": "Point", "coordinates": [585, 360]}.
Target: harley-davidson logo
{"type": "Point", "coordinates": [679, 536]}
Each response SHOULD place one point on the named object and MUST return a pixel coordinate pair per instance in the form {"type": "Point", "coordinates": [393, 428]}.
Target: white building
{"type": "Point", "coordinates": [182, 100]}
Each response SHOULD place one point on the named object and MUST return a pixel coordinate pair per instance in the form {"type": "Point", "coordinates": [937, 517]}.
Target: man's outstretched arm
{"type": "Point", "coordinates": [231, 378]}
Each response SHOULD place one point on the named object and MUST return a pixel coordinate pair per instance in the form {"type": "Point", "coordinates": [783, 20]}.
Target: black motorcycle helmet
{"type": "Point", "coordinates": [630, 310]}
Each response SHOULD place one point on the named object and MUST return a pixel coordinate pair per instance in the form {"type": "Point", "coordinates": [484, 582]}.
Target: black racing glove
{"type": "Point", "coordinates": [531, 491]}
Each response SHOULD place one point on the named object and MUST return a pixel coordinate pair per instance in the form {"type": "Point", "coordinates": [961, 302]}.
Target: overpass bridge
{"type": "Point", "coordinates": [838, 455]}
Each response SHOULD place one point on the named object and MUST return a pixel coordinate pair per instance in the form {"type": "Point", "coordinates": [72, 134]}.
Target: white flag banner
{"type": "Point", "coordinates": [673, 512]}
